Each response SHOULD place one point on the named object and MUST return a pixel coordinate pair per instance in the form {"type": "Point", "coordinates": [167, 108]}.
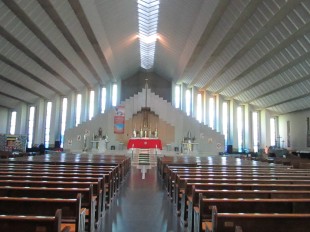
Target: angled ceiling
{"type": "Point", "coordinates": [254, 51]}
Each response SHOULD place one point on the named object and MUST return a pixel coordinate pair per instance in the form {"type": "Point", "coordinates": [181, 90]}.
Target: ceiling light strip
{"type": "Point", "coordinates": [148, 20]}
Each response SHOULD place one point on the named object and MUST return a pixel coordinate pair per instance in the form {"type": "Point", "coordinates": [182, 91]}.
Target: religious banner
{"type": "Point", "coordinates": [119, 120]}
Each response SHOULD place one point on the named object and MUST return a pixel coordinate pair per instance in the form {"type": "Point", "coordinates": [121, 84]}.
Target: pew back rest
{"type": "Point", "coordinates": [226, 222]}
{"type": "Point", "coordinates": [71, 208]}
{"type": "Point", "coordinates": [31, 223]}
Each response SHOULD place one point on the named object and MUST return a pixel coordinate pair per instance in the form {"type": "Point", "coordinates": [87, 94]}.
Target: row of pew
{"type": "Point", "coordinates": [59, 192]}
{"type": "Point", "coordinates": [229, 194]}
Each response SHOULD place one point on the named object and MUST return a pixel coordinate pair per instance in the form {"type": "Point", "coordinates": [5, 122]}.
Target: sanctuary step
{"type": "Point", "coordinates": [144, 157]}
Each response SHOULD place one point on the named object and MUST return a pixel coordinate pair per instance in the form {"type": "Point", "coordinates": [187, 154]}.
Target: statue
{"type": "Point", "coordinates": [150, 133]}
{"type": "Point", "coordinates": [100, 133]}
{"type": "Point", "coordinates": [156, 133]}
{"type": "Point", "coordinates": [85, 147]}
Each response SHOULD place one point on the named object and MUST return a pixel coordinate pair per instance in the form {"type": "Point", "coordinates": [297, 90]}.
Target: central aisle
{"type": "Point", "coordinates": [141, 205]}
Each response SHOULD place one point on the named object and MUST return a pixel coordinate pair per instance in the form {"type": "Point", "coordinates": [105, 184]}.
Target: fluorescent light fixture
{"type": "Point", "coordinates": [148, 20]}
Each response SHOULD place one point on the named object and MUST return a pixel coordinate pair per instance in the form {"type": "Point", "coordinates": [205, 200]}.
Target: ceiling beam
{"type": "Point", "coordinates": [15, 98]}
{"type": "Point", "coordinates": [21, 87]}
{"type": "Point", "coordinates": [6, 107]}
{"type": "Point", "coordinates": [35, 58]}
{"type": "Point", "coordinates": [52, 13]}
{"type": "Point", "coordinates": [288, 100]}
{"type": "Point", "coordinates": [257, 37]}
{"type": "Point", "coordinates": [30, 75]}
{"type": "Point", "coordinates": [246, 13]}
{"type": "Point", "coordinates": [13, 6]}
{"type": "Point", "coordinates": [214, 19]}
{"type": "Point", "coordinates": [80, 14]}
{"type": "Point", "coordinates": [274, 75]}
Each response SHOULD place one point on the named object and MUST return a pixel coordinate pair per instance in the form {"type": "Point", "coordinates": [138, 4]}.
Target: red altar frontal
{"type": "Point", "coordinates": [144, 143]}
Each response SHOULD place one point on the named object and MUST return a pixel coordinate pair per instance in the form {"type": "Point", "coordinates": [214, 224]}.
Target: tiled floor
{"type": "Point", "coordinates": [141, 205]}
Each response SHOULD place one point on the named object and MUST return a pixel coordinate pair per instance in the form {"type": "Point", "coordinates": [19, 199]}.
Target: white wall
{"type": "Point", "coordinates": [298, 135]}
{"type": "Point", "coordinates": [210, 141]}
{"type": "Point", "coordinates": [4, 115]}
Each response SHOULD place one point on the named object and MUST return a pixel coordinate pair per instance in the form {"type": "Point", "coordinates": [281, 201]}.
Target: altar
{"type": "Point", "coordinates": [144, 143]}
{"type": "Point", "coordinates": [99, 145]}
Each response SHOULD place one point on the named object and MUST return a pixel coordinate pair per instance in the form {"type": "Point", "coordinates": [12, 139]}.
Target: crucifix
{"type": "Point", "coordinates": [146, 88]}
{"type": "Point", "coordinates": [145, 109]}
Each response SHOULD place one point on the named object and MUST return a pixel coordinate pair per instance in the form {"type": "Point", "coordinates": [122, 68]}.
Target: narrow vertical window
{"type": "Point", "coordinates": [188, 101]}
{"type": "Point", "coordinates": [103, 99]}
{"type": "Point", "coordinates": [91, 104]}
{"type": "Point", "coordinates": [177, 96]}
{"type": "Point", "coordinates": [255, 131]}
{"type": "Point", "coordinates": [63, 120]}
{"type": "Point", "coordinates": [48, 124]}
{"type": "Point", "coordinates": [211, 112]}
{"type": "Point", "coordinates": [308, 132]}
{"type": "Point", "coordinates": [31, 126]}
{"type": "Point", "coordinates": [13, 123]}
{"type": "Point", "coordinates": [272, 132]}
{"type": "Point", "coordinates": [240, 128]}
{"type": "Point", "coordinates": [288, 131]}
{"type": "Point", "coordinates": [114, 94]}
{"type": "Point", "coordinates": [225, 121]}
{"type": "Point", "coordinates": [78, 109]}
{"type": "Point", "coordinates": [199, 107]}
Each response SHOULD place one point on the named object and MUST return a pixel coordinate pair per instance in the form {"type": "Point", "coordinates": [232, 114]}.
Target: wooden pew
{"type": "Point", "coordinates": [171, 179]}
{"type": "Point", "coordinates": [163, 163]}
{"type": "Point", "coordinates": [227, 167]}
{"type": "Point", "coordinates": [202, 213]}
{"type": "Point", "coordinates": [120, 162]}
{"type": "Point", "coordinates": [242, 186]}
{"type": "Point", "coordinates": [88, 201]}
{"type": "Point", "coordinates": [193, 200]}
{"type": "Point", "coordinates": [32, 223]}
{"type": "Point", "coordinates": [254, 222]}
{"type": "Point", "coordinates": [72, 213]}
{"type": "Point", "coordinates": [184, 187]}
{"type": "Point", "coordinates": [102, 193]}
{"type": "Point", "coordinates": [108, 187]}
{"type": "Point", "coordinates": [111, 174]}
{"type": "Point", "coordinates": [181, 184]}
{"type": "Point", "coordinates": [172, 182]}
{"type": "Point", "coordinates": [97, 189]}
{"type": "Point", "coordinates": [74, 159]}
{"type": "Point", "coordinates": [112, 168]}
{"type": "Point", "coordinates": [228, 170]}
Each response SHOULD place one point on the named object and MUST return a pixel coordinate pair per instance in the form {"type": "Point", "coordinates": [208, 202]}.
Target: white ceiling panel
{"type": "Point", "coordinates": [253, 51]}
